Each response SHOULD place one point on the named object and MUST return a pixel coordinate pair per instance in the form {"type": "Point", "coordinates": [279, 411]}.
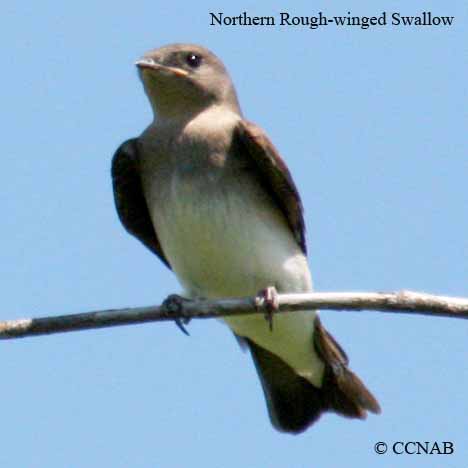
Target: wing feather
{"type": "Point", "coordinates": [129, 199]}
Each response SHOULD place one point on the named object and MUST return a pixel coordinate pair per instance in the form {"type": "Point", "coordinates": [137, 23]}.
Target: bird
{"type": "Point", "coordinates": [207, 192]}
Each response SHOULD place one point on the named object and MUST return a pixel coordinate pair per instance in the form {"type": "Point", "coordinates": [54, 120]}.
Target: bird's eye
{"type": "Point", "coordinates": [193, 60]}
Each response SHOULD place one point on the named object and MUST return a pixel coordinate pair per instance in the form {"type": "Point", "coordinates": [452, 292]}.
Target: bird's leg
{"type": "Point", "coordinates": [174, 304]}
{"type": "Point", "coordinates": [268, 298]}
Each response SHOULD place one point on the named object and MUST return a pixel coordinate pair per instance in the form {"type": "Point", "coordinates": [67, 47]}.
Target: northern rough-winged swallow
{"type": "Point", "coordinates": [208, 193]}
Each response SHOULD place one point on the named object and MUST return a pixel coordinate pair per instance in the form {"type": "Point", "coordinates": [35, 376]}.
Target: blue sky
{"type": "Point", "coordinates": [373, 125]}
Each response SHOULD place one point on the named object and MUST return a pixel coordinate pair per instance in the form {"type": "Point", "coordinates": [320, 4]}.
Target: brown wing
{"type": "Point", "coordinates": [276, 176]}
{"type": "Point", "coordinates": [129, 198]}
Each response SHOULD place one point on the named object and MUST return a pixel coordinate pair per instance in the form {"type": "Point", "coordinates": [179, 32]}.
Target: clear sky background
{"type": "Point", "coordinates": [373, 125]}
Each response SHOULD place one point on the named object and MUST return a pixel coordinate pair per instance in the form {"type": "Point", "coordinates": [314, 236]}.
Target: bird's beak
{"type": "Point", "coordinates": [150, 64]}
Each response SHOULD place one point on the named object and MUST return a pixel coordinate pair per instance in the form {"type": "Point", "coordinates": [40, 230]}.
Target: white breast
{"type": "Point", "coordinates": [228, 242]}
{"type": "Point", "coordinates": [225, 237]}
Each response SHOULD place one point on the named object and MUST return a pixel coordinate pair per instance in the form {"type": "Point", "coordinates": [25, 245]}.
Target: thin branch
{"type": "Point", "coordinates": [405, 302]}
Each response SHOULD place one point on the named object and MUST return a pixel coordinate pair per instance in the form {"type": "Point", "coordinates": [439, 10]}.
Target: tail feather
{"type": "Point", "coordinates": [343, 390]}
{"type": "Point", "coordinates": [294, 403]}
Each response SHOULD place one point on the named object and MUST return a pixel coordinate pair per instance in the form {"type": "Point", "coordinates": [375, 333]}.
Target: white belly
{"type": "Point", "coordinates": [230, 244]}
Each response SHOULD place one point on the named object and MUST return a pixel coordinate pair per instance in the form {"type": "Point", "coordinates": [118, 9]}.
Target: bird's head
{"type": "Point", "coordinates": [184, 79]}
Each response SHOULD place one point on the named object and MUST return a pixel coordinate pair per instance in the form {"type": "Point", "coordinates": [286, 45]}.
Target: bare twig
{"type": "Point", "coordinates": [406, 302]}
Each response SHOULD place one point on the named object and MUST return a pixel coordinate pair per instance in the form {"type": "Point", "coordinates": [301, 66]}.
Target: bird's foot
{"type": "Point", "coordinates": [268, 298]}
{"type": "Point", "coordinates": [174, 305]}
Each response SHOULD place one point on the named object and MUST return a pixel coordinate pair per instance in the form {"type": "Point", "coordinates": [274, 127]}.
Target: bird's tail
{"type": "Point", "coordinates": [294, 403]}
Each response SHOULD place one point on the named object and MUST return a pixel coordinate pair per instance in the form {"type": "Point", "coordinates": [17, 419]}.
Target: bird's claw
{"type": "Point", "coordinates": [174, 304]}
{"type": "Point", "coordinates": [268, 298]}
